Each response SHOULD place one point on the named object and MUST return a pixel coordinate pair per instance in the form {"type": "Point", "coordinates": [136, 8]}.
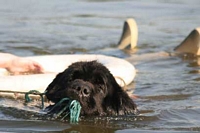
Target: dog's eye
{"type": "Point", "coordinates": [103, 89]}
{"type": "Point", "coordinates": [98, 81]}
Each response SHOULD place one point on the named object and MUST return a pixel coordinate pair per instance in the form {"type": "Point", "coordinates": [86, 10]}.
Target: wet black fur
{"type": "Point", "coordinates": [94, 87]}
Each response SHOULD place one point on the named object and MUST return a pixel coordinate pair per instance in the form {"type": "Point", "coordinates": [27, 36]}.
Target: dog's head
{"type": "Point", "coordinates": [94, 87]}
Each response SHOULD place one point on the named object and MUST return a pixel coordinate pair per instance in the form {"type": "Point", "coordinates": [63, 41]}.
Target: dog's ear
{"type": "Point", "coordinates": [54, 87]}
{"type": "Point", "coordinates": [125, 104]}
{"type": "Point", "coordinates": [58, 84]}
{"type": "Point", "coordinates": [117, 101]}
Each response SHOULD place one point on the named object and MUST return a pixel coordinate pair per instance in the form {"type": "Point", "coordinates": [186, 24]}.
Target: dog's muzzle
{"type": "Point", "coordinates": [82, 88]}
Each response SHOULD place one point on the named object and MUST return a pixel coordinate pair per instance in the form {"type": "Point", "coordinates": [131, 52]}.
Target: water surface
{"type": "Point", "coordinates": [167, 87]}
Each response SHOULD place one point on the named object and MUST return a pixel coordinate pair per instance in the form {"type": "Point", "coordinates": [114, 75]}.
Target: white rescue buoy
{"type": "Point", "coordinates": [53, 64]}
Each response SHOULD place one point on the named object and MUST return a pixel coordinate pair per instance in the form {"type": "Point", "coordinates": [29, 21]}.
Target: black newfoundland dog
{"type": "Point", "coordinates": [94, 87]}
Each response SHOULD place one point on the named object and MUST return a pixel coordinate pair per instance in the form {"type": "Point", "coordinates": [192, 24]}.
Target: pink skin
{"type": "Point", "coordinates": [19, 65]}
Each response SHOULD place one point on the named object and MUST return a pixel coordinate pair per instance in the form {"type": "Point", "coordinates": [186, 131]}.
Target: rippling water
{"type": "Point", "coordinates": [167, 87]}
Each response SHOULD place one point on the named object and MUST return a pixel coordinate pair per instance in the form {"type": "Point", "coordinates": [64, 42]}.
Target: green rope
{"type": "Point", "coordinates": [27, 98]}
{"type": "Point", "coordinates": [34, 92]}
{"type": "Point", "coordinates": [73, 108]}
{"type": "Point", "coordinates": [59, 103]}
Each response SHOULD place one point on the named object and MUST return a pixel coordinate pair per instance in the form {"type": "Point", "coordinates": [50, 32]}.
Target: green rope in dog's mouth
{"type": "Point", "coordinates": [75, 110]}
{"type": "Point", "coordinates": [72, 108]}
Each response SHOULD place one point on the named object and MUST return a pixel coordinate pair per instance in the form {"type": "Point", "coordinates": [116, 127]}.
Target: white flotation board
{"type": "Point", "coordinates": [129, 34]}
{"type": "Point", "coordinates": [53, 64]}
{"type": "Point", "coordinates": [191, 44]}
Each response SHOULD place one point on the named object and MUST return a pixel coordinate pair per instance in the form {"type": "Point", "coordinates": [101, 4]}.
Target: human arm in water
{"type": "Point", "coordinates": [19, 65]}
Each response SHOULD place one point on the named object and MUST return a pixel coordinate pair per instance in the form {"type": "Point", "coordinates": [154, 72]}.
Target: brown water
{"type": "Point", "coordinates": [168, 87]}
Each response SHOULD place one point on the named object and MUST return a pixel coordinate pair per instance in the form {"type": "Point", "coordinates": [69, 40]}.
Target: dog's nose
{"type": "Point", "coordinates": [83, 89]}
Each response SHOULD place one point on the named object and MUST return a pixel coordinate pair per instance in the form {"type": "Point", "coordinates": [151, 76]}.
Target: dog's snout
{"type": "Point", "coordinates": [82, 89]}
